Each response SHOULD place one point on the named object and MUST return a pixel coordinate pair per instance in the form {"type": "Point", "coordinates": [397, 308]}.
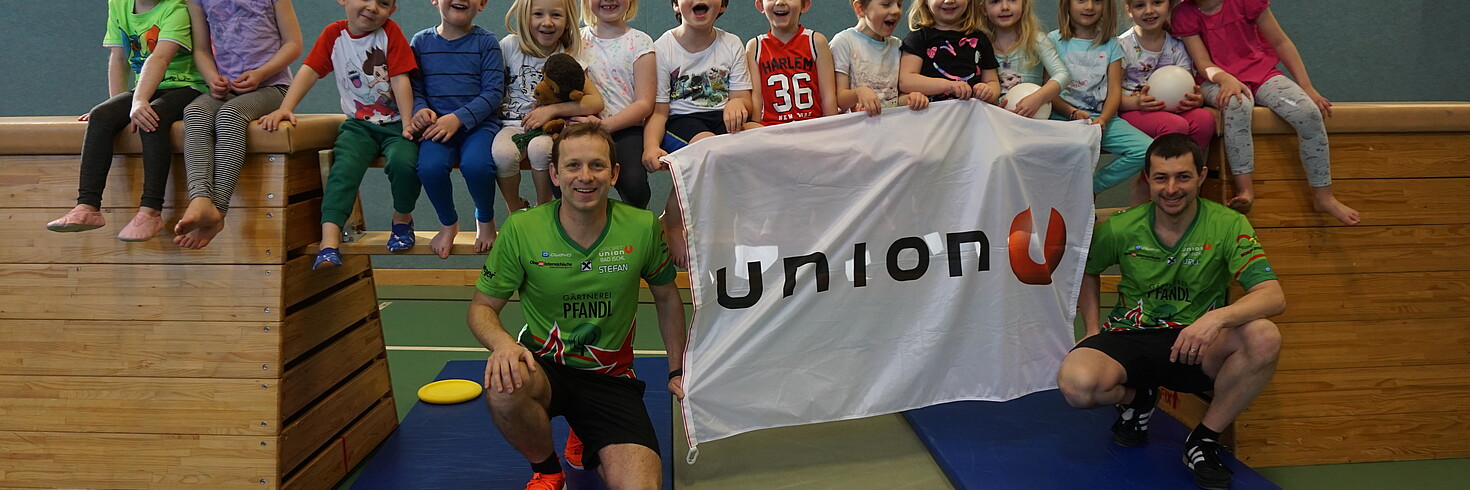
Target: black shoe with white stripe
{"type": "Point", "coordinates": [1203, 459]}
{"type": "Point", "coordinates": [1131, 428]}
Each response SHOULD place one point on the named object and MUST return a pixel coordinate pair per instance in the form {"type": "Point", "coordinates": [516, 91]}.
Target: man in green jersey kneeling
{"type": "Point", "coordinates": [577, 262]}
{"type": "Point", "coordinates": [1171, 326]}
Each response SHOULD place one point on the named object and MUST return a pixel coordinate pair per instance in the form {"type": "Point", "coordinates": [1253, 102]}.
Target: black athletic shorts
{"type": "Point", "coordinates": [1144, 354]}
{"type": "Point", "coordinates": [685, 126]}
{"type": "Point", "coordinates": [603, 410]}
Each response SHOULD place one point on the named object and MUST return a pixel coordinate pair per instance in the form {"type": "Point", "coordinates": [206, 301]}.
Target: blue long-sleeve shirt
{"type": "Point", "coordinates": [464, 77]}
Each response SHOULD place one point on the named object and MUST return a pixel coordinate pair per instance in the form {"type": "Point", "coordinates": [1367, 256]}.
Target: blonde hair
{"type": "Point", "coordinates": [518, 22]}
{"type": "Point", "coordinates": [628, 15]}
{"type": "Point", "coordinates": [1030, 29]}
{"type": "Point", "coordinates": [1107, 26]}
{"type": "Point", "coordinates": [920, 17]}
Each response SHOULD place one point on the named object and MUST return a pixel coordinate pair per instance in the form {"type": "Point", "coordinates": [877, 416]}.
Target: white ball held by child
{"type": "Point", "coordinates": [1021, 91]}
{"type": "Point", "coordinates": [1169, 84]}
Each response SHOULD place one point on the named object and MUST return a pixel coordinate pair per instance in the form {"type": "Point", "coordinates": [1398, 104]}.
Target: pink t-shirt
{"type": "Point", "coordinates": [1235, 43]}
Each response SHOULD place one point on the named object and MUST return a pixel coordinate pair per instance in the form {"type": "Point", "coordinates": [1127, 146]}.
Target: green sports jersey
{"type": "Point", "coordinates": [1171, 287]}
{"type": "Point", "coordinates": [579, 303]}
{"type": "Point", "coordinates": [139, 34]}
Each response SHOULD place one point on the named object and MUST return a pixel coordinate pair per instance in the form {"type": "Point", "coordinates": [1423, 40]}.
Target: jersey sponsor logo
{"type": "Point", "coordinates": [586, 266]}
{"type": "Point", "coordinates": [586, 309]}
{"type": "Point", "coordinates": [553, 265]}
{"type": "Point", "coordinates": [1053, 247]}
{"type": "Point", "coordinates": [618, 254]}
{"type": "Point", "coordinates": [1171, 291]}
{"type": "Point", "coordinates": [552, 254]}
{"type": "Point", "coordinates": [609, 269]}
{"type": "Point", "coordinates": [486, 273]}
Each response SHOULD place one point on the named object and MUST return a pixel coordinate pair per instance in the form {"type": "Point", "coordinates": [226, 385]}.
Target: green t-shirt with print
{"type": "Point", "coordinates": [579, 302]}
{"type": "Point", "coordinates": [138, 34]}
{"type": "Point", "coordinates": [1171, 287]}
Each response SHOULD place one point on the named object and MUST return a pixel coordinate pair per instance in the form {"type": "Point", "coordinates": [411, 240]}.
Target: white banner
{"type": "Point", "coordinates": [852, 266]}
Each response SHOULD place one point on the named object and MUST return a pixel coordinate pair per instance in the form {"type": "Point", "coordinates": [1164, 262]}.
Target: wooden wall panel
{"type": "Point", "coordinates": [306, 283]}
{"type": "Point", "coordinates": [244, 240]}
{"type": "Point", "coordinates": [28, 181]}
{"type": "Point", "coordinates": [1353, 439]}
{"type": "Point", "coordinates": [1366, 249]}
{"type": "Point", "coordinates": [138, 405]}
{"type": "Point", "coordinates": [331, 463]}
{"type": "Point", "coordinates": [1285, 203]}
{"type": "Point", "coordinates": [313, 376]}
{"type": "Point", "coordinates": [324, 420]}
{"type": "Point", "coordinates": [1371, 297]}
{"type": "Point", "coordinates": [1369, 156]}
{"type": "Point", "coordinates": [305, 329]}
{"type": "Point", "coordinates": [1363, 391]}
{"type": "Point", "coordinates": [140, 348]}
{"type": "Point", "coordinates": [81, 460]}
{"type": "Point", "coordinates": [144, 292]}
{"type": "Point", "coordinates": [1430, 343]}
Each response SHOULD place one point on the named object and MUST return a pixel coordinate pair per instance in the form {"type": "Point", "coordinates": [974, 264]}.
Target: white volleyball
{"type": "Point", "coordinates": [1021, 91]}
{"type": "Point", "coordinates": [1168, 84]}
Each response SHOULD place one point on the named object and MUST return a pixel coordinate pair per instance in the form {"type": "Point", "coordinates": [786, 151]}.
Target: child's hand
{"type": "Point", "coordinates": [960, 90]}
{"type": "Point", "coordinates": [536, 118]}
{"type": "Point", "coordinates": [420, 120]}
{"type": "Point", "coordinates": [1079, 115]}
{"type": "Point", "coordinates": [247, 82]}
{"type": "Point", "coordinates": [143, 116]}
{"type": "Point", "coordinates": [219, 87]}
{"type": "Point", "coordinates": [588, 120]}
{"type": "Point", "coordinates": [735, 117]}
{"type": "Point", "coordinates": [867, 101]}
{"type": "Point", "coordinates": [917, 101]}
{"type": "Point", "coordinates": [443, 129]}
{"type": "Point", "coordinates": [981, 91]}
{"type": "Point", "coordinates": [1231, 88]}
{"type": "Point", "coordinates": [1148, 103]}
{"type": "Point", "coordinates": [1322, 103]}
{"type": "Point", "coordinates": [1192, 100]}
{"type": "Point", "coordinates": [1028, 105]}
{"type": "Point", "coordinates": [651, 161]}
{"type": "Point", "coordinates": [271, 122]}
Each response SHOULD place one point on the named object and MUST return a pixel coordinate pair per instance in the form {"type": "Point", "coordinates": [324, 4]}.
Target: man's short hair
{"type": "Point", "coordinates": [1174, 145]}
{"type": "Point", "coordinates": [579, 130]}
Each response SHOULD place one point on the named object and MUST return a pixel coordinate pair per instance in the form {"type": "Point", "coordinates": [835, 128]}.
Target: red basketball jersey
{"type": "Point", "coordinates": [787, 74]}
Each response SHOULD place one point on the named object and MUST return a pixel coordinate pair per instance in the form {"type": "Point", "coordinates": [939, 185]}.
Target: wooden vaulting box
{"type": "Point", "coordinates": [1375, 358]}
{"type": "Point", "coordinates": [145, 365]}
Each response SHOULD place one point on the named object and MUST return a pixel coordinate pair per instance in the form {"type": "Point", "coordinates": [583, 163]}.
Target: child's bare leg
{"type": "Point", "coordinates": [1245, 193]}
{"type": "Point", "coordinates": [1323, 201]}
{"type": "Point", "coordinates": [542, 179]}
{"type": "Point", "coordinates": [700, 136]}
{"type": "Point", "coordinates": [484, 236]}
{"type": "Point", "coordinates": [673, 223]}
{"type": "Point", "coordinates": [443, 242]}
{"type": "Point", "coordinates": [331, 235]}
{"type": "Point", "coordinates": [201, 222]}
{"type": "Point", "coordinates": [402, 218]}
{"type": "Point", "coordinates": [510, 188]}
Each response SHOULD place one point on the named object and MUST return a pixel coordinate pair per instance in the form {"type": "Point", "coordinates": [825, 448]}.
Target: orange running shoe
{"type": "Point", "coordinates": [542, 481]}
{"type": "Point", "coordinates": [573, 452]}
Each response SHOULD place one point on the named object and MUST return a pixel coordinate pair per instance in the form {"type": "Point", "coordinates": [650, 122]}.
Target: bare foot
{"type": "Point", "coordinates": [1242, 203]}
{"type": "Point", "coordinates": [484, 236]}
{"type": "Point", "coordinates": [443, 243]}
{"type": "Point", "coordinates": [1324, 202]}
{"type": "Point", "coordinates": [200, 237]}
{"type": "Point", "coordinates": [201, 213]}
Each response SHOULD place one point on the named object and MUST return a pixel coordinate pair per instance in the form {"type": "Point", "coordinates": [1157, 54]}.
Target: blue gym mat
{"type": "Point", "coordinates": [457, 446]}
{"type": "Point", "coordinates": [1038, 441]}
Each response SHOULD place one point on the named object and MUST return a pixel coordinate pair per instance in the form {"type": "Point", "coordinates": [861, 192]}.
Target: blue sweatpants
{"type": "Point", "coordinates": [472, 152]}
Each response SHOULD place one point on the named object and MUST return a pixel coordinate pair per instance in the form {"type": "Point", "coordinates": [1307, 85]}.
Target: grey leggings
{"type": "Point", "coordinates": [214, 140]}
{"type": "Point", "coordinates": [1284, 97]}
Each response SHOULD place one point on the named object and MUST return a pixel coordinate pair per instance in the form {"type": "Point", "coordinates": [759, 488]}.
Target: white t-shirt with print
{"type": "Point", "coordinates": [868, 63]}
{"type": "Point", "coordinates": [700, 82]}
{"type": "Point", "coordinates": [522, 73]}
{"type": "Point", "coordinates": [610, 62]}
{"type": "Point", "coordinates": [1088, 65]}
{"type": "Point", "coordinates": [1140, 63]}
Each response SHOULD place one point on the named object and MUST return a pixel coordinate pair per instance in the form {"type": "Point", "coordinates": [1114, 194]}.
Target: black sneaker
{"type": "Point", "coordinates": [1203, 460]}
{"type": "Point", "coordinates": [1131, 428]}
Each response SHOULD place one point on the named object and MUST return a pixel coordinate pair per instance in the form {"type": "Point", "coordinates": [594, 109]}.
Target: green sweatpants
{"type": "Point", "coordinates": [358, 142]}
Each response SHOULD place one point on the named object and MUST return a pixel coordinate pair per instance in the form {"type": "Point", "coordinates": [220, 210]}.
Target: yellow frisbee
{"type": "Point", "coordinates": [450, 391]}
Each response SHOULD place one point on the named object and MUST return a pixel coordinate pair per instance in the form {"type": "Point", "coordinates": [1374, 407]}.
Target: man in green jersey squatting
{"type": "Point", "coordinates": [576, 263]}
{"type": "Point", "coordinates": [1172, 326]}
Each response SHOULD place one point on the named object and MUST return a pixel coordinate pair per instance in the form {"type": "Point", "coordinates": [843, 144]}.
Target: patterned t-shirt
{"type": "Point", "coordinates": [868, 63]}
{"type": "Point", "coordinates": [522, 73]}
{"type": "Point", "coordinates": [364, 67]}
{"type": "Point", "coordinates": [1171, 287]}
{"type": "Point", "coordinates": [245, 36]}
{"type": "Point", "coordinates": [951, 55]}
{"type": "Point", "coordinates": [1088, 65]}
{"type": "Point", "coordinates": [579, 302]}
{"type": "Point", "coordinates": [138, 34]}
{"type": "Point", "coordinates": [1140, 63]}
{"type": "Point", "coordinates": [702, 81]}
{"type": "Point", "coordinates": [610, 62]}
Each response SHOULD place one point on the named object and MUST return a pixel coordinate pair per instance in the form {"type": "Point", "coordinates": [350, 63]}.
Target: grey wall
{"type": "Point", "coordinates": [1360, 50]}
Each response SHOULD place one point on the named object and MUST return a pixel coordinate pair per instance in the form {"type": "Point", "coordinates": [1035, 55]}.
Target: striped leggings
{"type": "Point", "coordinates": [214, 140]}
{"type": "Point", "coordinates": [1287, 99]}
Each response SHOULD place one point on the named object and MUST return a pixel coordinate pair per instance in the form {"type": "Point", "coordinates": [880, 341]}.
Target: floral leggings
{"type": "Point", "coordinates": [1284, 97]}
